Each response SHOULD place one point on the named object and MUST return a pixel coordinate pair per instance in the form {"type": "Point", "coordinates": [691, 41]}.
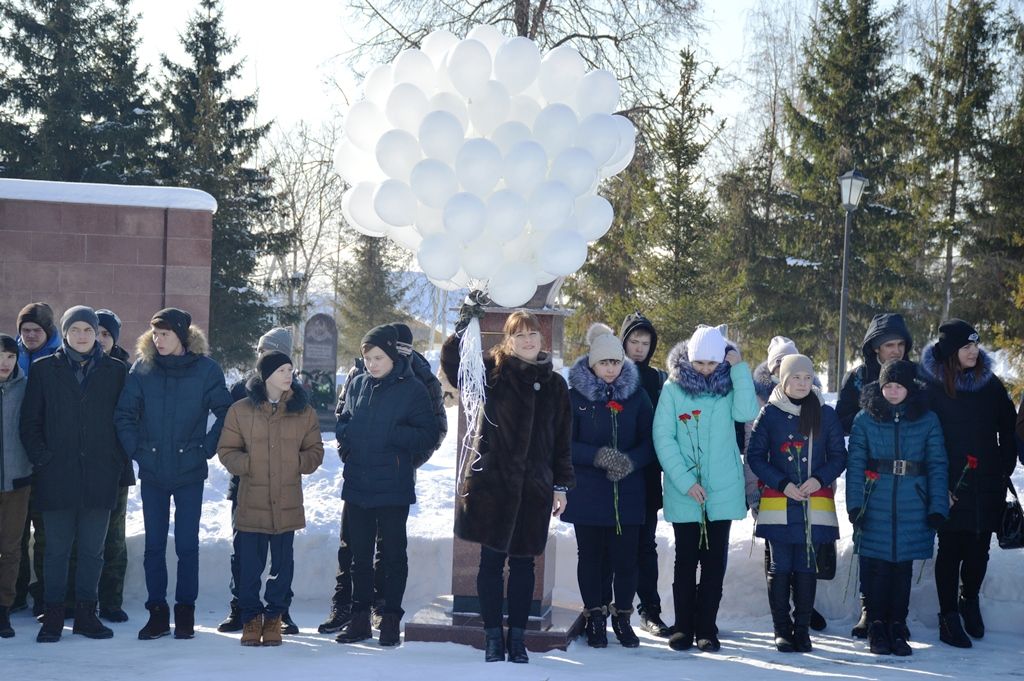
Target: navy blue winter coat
{"type": "Point", "coordinates": [777, 429]}
{"type": "Point", "coordinates": [385, 425]}
{"type": "Point", "coordinates": [162, 415]}
{"type": "Point", "coordinates": [592, 502]}
{"type": "Point", "coordinates": [895, 521]}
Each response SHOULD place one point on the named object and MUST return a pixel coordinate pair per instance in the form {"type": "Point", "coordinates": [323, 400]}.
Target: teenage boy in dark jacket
{"type": "Point", "coordinates": [67, 427]}
{"type": "Point", "coordinates": [161, 420]}
{"type": "Point", "coordinates": [386, 424]}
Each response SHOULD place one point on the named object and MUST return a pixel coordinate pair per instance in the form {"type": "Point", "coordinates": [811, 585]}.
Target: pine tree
{"type": "Point", "coordinates": [370, 292]}
{"type": "Point", "coordinates": [49, 70]}
{"type": "Point", "coordinates": [211, 146]}
{"type": "Point", "coordinates": [852, 113]}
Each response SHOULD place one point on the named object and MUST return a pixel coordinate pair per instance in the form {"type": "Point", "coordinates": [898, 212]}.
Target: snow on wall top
{"type": "Point", "coordinates": [107, 194]}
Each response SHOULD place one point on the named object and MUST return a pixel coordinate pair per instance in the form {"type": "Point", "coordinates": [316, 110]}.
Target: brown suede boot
{"type": "Point", "coordinates": [272, 631]}
{"type": "Point", "coordinates": [252, 631]}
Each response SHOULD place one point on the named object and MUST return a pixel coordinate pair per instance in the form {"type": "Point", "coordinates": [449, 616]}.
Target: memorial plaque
{"type": "Point", "coordinates": [320, 345]}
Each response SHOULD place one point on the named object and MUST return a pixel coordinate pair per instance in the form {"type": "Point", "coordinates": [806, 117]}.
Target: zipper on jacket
{"type": "Point", "coordinates": [895, 485]}
{"type": "Point", "coordinates": [3, 454]}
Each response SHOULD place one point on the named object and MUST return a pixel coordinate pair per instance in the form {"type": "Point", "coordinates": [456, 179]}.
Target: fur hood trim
{"type": "Point", "coordinates": [968, 382]}
{"type": "Point", "coordinates": [197, 343]}
{"type": "Point", "coordinates": [586, 383]}
{"type": "Point", "coordinates": [682, 373]}
{"type": "Point", "coordinates": [256, 390]}
{"type": "Point", "coordinates": [874, 403]}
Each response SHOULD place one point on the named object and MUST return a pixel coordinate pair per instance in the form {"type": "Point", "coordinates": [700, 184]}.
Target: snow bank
{"type": "Point", "coordinates": [107, 194]}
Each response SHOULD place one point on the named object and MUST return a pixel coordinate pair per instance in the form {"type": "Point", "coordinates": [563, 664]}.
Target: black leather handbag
{"type": "Point", "coordinates": [825, 558]}
{"type": "Point", "coordinates": [1011, 529]}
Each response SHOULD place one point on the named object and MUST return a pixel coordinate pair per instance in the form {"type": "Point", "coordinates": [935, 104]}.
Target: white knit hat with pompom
{"type": "Point", "coordinates": [603, 344]}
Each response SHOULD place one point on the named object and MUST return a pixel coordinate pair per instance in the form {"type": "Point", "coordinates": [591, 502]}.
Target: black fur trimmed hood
{"type": "Point", "coordinates": [874, 403]}
{"type": "Point", "coordinates": [682, 373]}
{"type": "Point", "coordinates": [933, 370]}
{"type": "Point", "coordinates": [586, 382]}
{"type": "Point", "coordinates": [256, 392]}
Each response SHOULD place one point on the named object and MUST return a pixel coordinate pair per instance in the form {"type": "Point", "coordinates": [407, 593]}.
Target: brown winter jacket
{"type": "Point", "coordinates": [270, 449]}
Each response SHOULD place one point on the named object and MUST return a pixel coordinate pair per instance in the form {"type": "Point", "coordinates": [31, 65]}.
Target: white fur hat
{"type": "Point", "coordinates": [779, 347]}
{"type": "Point", "coordinates": [707, 344]}
{"type": "Point", "coordinates": [603, 344]}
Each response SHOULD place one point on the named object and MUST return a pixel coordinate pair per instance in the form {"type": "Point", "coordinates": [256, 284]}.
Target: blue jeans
{"type": "Point", "coordinates": [86, 528]}
{"type": "Point", "coordinates": [236, 573]}
{"type": "Point", "coordinates": [252, 558]}
{"type": "Point", "coordinates": [156, 516]}
{"type": "Point", "coordinates": [788, 557]}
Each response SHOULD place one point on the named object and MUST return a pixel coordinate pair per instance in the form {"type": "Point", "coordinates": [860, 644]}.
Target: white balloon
{"type": "Point", "coordinates": [406, 237]}
{"type": "Point", "coordinates": [364, 124]}
{"type": "Point", "coordinates": [616, 168]}
{"type": "Point", "coordinates": [481, 258]}
{"type": "Point", "coordinates": [594, 216]}
{"type": "Point", "coordinates": [356, 165]}
{"type": "Point", "coordinates": [561, 71]}
{"type": "Point", "coordinates": [555, 128]}
{"type": "Point", "coordinates": [469, 67]}
{"type": "Point", "coordinates": [526, 165]}
{"type": "Point", "coordinates": [544, 278]}
{"type": "Point", "coordinates": [437, 43]}
{"type": "Point", "coordinates": [441, 135]}
{"type": "Point", "coordinates": [433, 182]}
{"type": "Point", "coordinates": [626, 135]}
{"type": "Point", "coordinates": [489, 108]}
{"type": "Point", "coordinates": [464, 215]}
{"type": "Point", "coordinates": [378, 83]}
{"type": "Point", "coordinates": [357, 207]}
{"type": "Point", "coordinates": [598, 134]}
{"type": "Point", "coordinates": [520, 249]}
{"type": "Point", "coordinates": [564, 251]}
{"type": "Point", "coordinates": [598, 92]}
{"type": "Point", "coordinates": [445, 284]}
{"type": "Point", "coordinates": [508, 134]}
{"type": "Point", "coordinates": [516, 63]}
{"type": "Point", "coordinates": [414, 66]}
{"type": "Point", "coordinates": [461, 279]}
{"type": "Point", "coordinates": [524, 109]}
{"type": "Point", "coordinates": [489, 35]}
{"type": "Point", "coordinates": [453, 104]}
{"type": "Point", "coordinates": [576, 169]}
{"type": "Point", "coordinates": [478, 166]}
{"type": "Point", "coordinates": [512, 285]}
{"type": "Point", "coordinates": [507, 212]}
{"type": "Point", "coordinates": [394, 203]}
{"type": "Point", "coordinates": [438, 256]}
{"type": "Point", "coordinates": [550, 204]}
{"type": "Point", "coordinates": [429, 220]}
{"type": "Point", "coordinates": [397, 152]}
{"type": "Point", "coordinates": [406, 107]}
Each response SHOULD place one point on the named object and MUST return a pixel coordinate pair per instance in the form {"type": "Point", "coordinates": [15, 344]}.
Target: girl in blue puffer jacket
{"type": "Point", "coordinates": [896, 495]}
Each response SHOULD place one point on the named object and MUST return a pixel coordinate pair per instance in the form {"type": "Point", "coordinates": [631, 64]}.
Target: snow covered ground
{"type": "Point", "coordinates": [747, 645]}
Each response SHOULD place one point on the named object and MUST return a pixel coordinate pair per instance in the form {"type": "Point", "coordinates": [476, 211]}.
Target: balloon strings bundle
{"type": "Point", "coordinates": [472, 380]}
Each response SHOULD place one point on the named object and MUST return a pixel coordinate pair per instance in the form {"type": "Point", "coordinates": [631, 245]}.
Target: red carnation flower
{"type": "Point", "coordinates": [684, 417]}
{"type": "Point", "coordinates": [972, 462]}
{"type": "Point", "coordinates": [614, 406]}
{"type": "Point", "coordinates": [872, 475]}
{"type": "Point", "coordinates": [696, 413]}
{"type": "Point", "coordinates": [785, 447]}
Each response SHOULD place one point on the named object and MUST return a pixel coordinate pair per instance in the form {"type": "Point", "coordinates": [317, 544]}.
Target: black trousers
{"type": "Point", "coordinates": [595, 544]}
{"type": "Point", "coordinates": [646, 564]}
{"type": "Point", "coordinates": [343, 578]}
{"type": "Point", "coordinates": [490, 587]}
{"type": "Point", "coordinates": [962, 559]}
{"type": "Point", "coordinates": [696, 604]}
{"type": "Point", "coordinates": [366, 525]}
{"type": "Point", "coordinates": [886, 588]}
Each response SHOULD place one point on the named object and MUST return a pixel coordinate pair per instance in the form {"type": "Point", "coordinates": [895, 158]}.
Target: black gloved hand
{"type": "Point", "coordinates": [472, 307]}
{"type": "Point", "coordinates": [856, 521]}
{"type": "Point", "coordinates": [936, 521]}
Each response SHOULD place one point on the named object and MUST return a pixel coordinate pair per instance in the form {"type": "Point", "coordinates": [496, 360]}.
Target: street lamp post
{"type": "Point", "coordinates": [851, 187]}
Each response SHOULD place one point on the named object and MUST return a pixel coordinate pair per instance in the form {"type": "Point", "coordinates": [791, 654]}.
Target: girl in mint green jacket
{"type": "Point", "coordinates": [709, 389]}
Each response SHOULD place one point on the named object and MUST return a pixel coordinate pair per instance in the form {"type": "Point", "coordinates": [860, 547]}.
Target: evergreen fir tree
{"type": "Point", "coordinates": [211, 145]}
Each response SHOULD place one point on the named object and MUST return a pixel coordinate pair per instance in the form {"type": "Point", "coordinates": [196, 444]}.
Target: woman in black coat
{"type": "Point", "coordinates": [977, 419]}
{"type": "Point", "coordinates": [67, 427]}
{"type": "Point", "coordinates": [506, 498]}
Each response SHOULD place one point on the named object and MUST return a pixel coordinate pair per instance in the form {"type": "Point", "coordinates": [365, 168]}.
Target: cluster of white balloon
{"type": "Point", "coordinates": [484, 157]}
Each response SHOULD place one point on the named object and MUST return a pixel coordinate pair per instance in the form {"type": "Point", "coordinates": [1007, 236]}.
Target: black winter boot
{"type": "Point", "coordinates": [778, 603]}
{"type": "Point", "coordinates": [805, 586]}
{"type": "Point", "coordinates": [683, 630]}
{"type": "Point", "coordinates": [597, 628]}
{"type": "Point", "coordinates": [357, 629]}
{"type": "Point", "coordinates": [860, 629]}
{"type": "Point", "coordinates": [87, 623]}
{"type": "Point", "coordinates": [621, 626]}
{"type": "Point", "coordinates": [898, 639]}
{"type": "Point", "coordinates": [878, 638]}
{"type": "Point", "coordinates": [288, 625]}
{"type": "Point", "coordinates": [184, 621]}
{"type": "Point", "coordinates": [517, 646]}
{"type": "Point", "coordinates": [818, 622]}
{"type": "Point", "coordinates": [338, 618]}
{"type": "Point", "coordinates": [53, 623]}
{"type": "Point", "coordinates": [6, 630]}
{"type": "Point", "coordinates": [494, 645]}
{"type": "Point", "coordinates": [159, 623]}
{"type": "Point", "coordinates": [233, 622]}
{"type": "Point", "coordinates": [951, 631]}
{"type": "Point", "coordinates": [651, 622]}
{"type": "Point", "coordinates": [970, 610]}
{"type": "Point", "coordinates": [390, 629]}
{"type": "Point", "coordinates": [113, 614]}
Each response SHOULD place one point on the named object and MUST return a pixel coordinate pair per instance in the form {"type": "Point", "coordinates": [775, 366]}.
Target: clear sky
{"type": "Point", "coordinates": [292, 50]}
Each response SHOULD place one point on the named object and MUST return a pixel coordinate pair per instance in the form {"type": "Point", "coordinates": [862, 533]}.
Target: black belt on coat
{"type": "Point", "coordinates": [896, 466]}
